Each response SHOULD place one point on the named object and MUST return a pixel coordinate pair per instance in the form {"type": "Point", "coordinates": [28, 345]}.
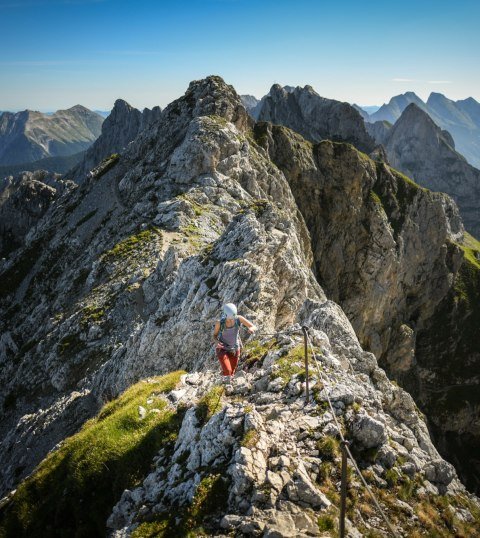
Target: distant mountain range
{"type": "Point", "coordinates": [460, 118]}
{"type": "Point", "coordinates": [29, 136]}
{"type": "Point", "coordinates": [423, 151]}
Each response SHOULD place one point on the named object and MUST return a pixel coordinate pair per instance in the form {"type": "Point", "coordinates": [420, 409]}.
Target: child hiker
{"type": "Point", "coordinates": [226, 334]}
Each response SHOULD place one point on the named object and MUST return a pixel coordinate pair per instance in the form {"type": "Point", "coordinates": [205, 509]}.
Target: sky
{"type": "Point", "coordinates": [58, 53]}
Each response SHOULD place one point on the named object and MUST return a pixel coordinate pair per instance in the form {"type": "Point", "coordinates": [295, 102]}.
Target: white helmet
{"type": "Point", "coordinates": [230, 310]}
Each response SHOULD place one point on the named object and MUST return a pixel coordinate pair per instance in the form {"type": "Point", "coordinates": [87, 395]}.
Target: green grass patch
{"type": "Point", "coordinates": [107, 164]}
{"type": "Point", "coordinates": [293, 364]}
{"type": "Point", "coordinates": [325, 523]}
{"type": "Point", "coordinates": [209, 404]}
{"type": "Point", "coordinates": [131, 245]}
{"type": "Point", "coordinates": [92, 314]}
{"type": "Point", "coordinates": [255, 351]}
{"type": "Point", "coordinates": [375, 198]}
{"type": "Point", "coordinates": [73, 490]}
{"type": "Point", "coordinates": [210, 499]}
{"type": "Point", "coordinates": [329, 448]}
{"type": "Point", "coordinates": [250, 439]}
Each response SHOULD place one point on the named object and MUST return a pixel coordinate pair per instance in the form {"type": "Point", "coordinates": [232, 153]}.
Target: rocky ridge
{"type": "Point", "coordinates": [132, 267]}
{"type": "Point", "coordinates": [315, 118]}
{"type": "Point", "coordinates": [274, 459]}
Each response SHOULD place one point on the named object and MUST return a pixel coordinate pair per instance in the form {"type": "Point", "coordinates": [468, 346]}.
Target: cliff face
{"type": "Point", "coordinates": [121, 126]}
{"type": "Point", "coordinates": [123, 278]}
{"type": "Point", "coordinates": [395, 257]}
{"type": "Point", "coordinates": [29, 136]}
{"type": "Point", "coordinates": [424, 152]}
{"type": "Point", "coordinates": [24, 199]}
{"type": "Point", "coordinates": [315, 118]}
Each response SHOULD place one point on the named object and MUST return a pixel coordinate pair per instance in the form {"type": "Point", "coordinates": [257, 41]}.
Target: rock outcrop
{"type": "Point", "coordinates": [24, 199]}
{"type": "Point", "coordinates": [315, 118]}
{"type": "Point", "coordinates": [421, 150]}
{"type": "Point", "coordinates": [125, 274]}
{"type": "Point", "coordinates": [29, 136]}
{"type": "Point", "coordinates": [121, 126]}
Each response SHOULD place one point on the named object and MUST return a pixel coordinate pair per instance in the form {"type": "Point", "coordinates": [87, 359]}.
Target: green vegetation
{"type": "Point", "coordinates": [250, 439]}
{"type": "Point", "coordinates": [107, 164]}
{"type": "Point", "coordinates": [209, 404]}
{"type": "Point", "coordinates": [391, 476]}
{"type": "Point", "coordinates": [471, 242]}
{"type": "Point", "coordinates": [210, 499]}
{"type": "Point", "coordinates": [92, 314]}
{"type": "Point", "coordinates": [220, 120]}
{"type": "Point", "coordinates": [254, 351]}
{"type": "Point", "coordinates": [73, 490]}
{"type": "Point", "coordinates": [434, 515]}
{"type": "Point", "coordinates": [291, 364]}
{"type": "Point", "coordinates": [325, 523]}
{"type": "Point", "coordinates": [130, 245]}
{"type": "Point", "coordinates": [88, 216]}
{"type": "Point", "coordinates": [375, 198]}
{"type": "Point", "coordinates": [329, 448]}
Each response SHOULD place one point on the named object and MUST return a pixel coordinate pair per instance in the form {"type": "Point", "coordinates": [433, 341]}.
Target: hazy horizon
{"type": "Point", "coordinates": [92, 52]}
{"type": "Point", "coordinates": [98, 109]}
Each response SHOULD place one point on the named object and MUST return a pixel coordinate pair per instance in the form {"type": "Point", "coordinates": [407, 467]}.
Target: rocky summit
{"type": "Point", "coordinates": [115, 421]}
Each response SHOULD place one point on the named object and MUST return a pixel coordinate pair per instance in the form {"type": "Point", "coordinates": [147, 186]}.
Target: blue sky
{"type": "Point", "coordinates": [57, 53]}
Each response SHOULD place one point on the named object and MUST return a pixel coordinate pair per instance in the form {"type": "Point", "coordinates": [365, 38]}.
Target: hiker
{"type": "Point", "coordinates": [226, 334]}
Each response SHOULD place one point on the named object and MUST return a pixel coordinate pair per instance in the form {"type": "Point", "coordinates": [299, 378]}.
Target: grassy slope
{"type": "Point", "coordinates": [72, 491]}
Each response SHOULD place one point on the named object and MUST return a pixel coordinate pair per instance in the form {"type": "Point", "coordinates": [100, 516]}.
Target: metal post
{"type": "Point", "coordinates": [307, 382]}
{"type": "Point", "coordinates": [343, 488]}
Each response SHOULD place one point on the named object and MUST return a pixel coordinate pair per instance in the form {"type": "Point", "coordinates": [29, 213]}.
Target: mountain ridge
{"type": "Point", "coordinates": [131, 266]}
{"type": "Point", "coordinates": [29, 136]}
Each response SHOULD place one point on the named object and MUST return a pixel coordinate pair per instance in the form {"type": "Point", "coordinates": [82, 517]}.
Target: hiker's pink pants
{"type": "Point", "coordinates": [228, 360]}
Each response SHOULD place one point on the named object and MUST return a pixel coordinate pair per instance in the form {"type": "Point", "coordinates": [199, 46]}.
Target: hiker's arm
{"type": "Point", "coordinates": [250, 326]}
{"type": "Point", "coordinates": [216, 331]}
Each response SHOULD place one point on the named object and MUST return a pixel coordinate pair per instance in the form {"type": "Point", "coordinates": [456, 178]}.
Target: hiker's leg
{"type": "Point", "coordinates": [234, 361]}
{"type": "Point", "coordinates": [224, 362]}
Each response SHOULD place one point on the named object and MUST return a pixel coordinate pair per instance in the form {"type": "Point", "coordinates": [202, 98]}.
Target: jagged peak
{"type": "Point", "coordinates": [210, 96]}
{"type": "Point", "coordinates": [414, 113]}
